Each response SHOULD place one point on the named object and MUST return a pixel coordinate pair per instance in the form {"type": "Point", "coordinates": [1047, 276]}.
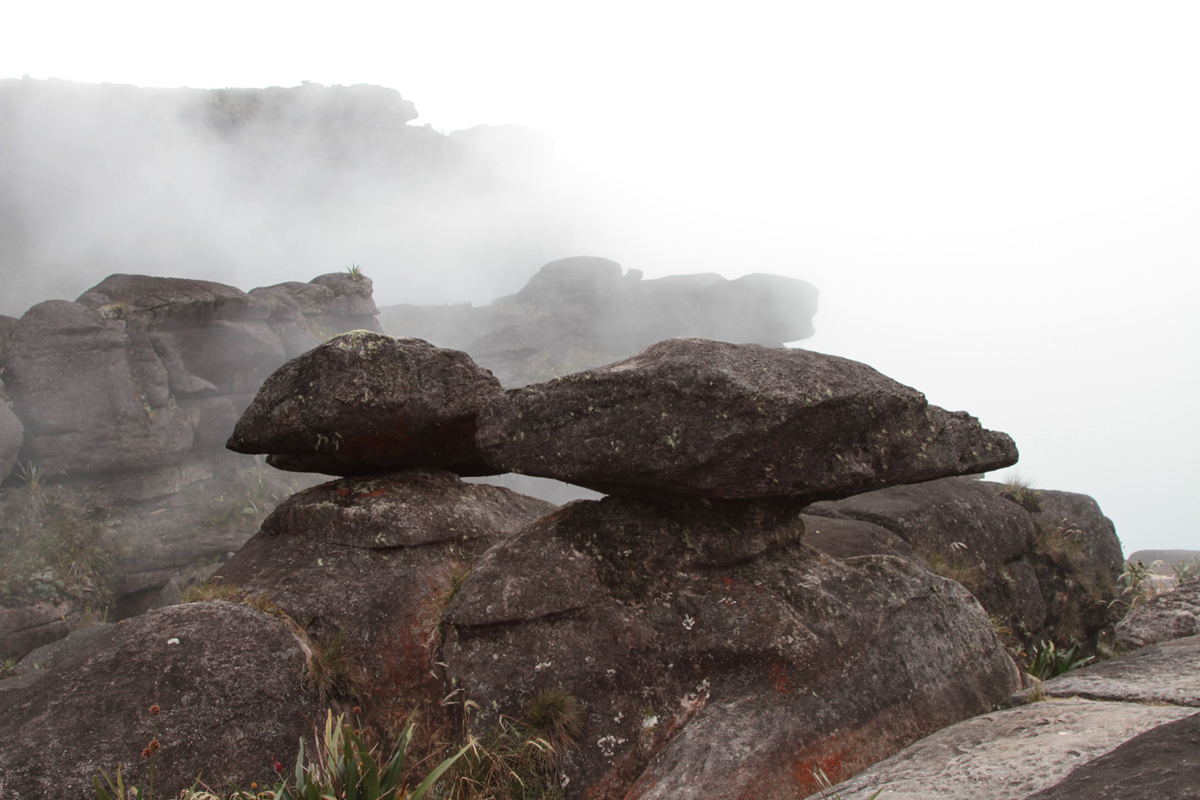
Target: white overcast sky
{"type": "Point", "coordinates": [998, 201]}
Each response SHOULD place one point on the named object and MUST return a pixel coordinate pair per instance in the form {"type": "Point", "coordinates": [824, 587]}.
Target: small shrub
{"type": "Point", "coordinates": [8, 668]}
{"type": "Point", "coordinates": [1137, 586]}
{"type": "Point", "coordinates": [1050, 662]}
{"type": "Point", "coordinates": [355, 273]}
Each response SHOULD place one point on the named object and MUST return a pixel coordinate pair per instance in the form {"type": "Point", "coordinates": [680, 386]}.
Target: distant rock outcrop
{"type": "Point", "coordinates": [582, 312]}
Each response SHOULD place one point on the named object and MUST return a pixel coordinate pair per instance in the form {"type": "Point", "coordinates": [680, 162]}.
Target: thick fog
{"type": "Point", "coordinates": [998, 204]}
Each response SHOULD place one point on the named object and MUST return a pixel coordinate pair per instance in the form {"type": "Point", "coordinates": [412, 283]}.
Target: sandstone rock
{"type": "Point", "coordinates": [226, 678]}
{"type": "Point", "coordinates": [846, 538]}
{"type": "Point", "coordinates": [1097, 536]}
{"type": "Point", "coordinates": [714, 654]}
{"type": "Point", "coordinates": [1173, 615]}
{"type": "Point", "coordinates": [74, 387]}
{"type": "Point", "coordinates": [1010, 754]}
{"type": "Point", "coordinates": [964, 528]}
{"type": "Point", "coordinates": [177, 301]}
{"type": "Point", "coordinates": [695, 417]}
{"type": "Point", "coordinates": [41, 660]}
{"type": "Point", "coordinates": [364, 403]}
{"type": "Point", "coordinates": [1161, 764]}
{"type": "Point", "coordinates": [12, 434]}
{"type": "Point", "coordinates": [1161, 673]}
{"type": "Point", "coordinates": [28, 627]}
{"type": "Point", "coordinates": [377, 559]}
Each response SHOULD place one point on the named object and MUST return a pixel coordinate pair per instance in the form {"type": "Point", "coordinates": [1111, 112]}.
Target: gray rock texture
{"type": "Point", "coordinates": [377, 559]}
{"type": "Point", "coordinates": [703, 418]}
{"type": "Point", "coordinates": [12, 434]}
{"type": "Point", "coordinates": [582, 312]}
{"type": "Point", "coordinates": [227, 680]}
{"type": "Point", "coordinates": [1172, 615]}
{"type": "Point", "coordinates": [28, 627]}
{"type": "Point", "coordinates": [1161, 764]}
{"type": "Point", "coordinates": [714, 654]}
{"type": "Point", "coordinates": [1168, 672]}
{"type": "Point", "coordinates": [364, 403]}
{"type": "Point", "coordinates": [1011, 754]}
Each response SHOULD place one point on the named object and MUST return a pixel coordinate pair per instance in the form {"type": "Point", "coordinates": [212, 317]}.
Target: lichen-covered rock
{"type": "Point", "coordinates": [1168, 616]}
{"type": "Point", "coordinates": [377, 558]}
{"type": "Point", "coordinates": [714, 654]}
{"type": "Point", "coordinates": [697, 417]}
{"type": "Point", "coordinates": [364, 403]}
{"type": "Point", "coordinates": [227, 681]}
{"type": "Point", "coordinates": [1015, 753]}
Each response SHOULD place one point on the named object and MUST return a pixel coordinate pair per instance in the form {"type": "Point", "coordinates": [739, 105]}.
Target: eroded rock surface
{"type": "Point", "coordinates": [364, 403]}
{"type": "Point", "coordinates": [377, 559]}
{"type": "Point", "coordinates": [704, 418]}
{"type": "Point", "coordinates": [1010, 754]}
{"type": "Point", "coordinates": [1168, 616]}
{"type": "Point", "coordinates": [1161, 673]}
{"type": "Point", "coordinates": [715, 654]}
{"type": "Point", "coordinates": [227, 680]}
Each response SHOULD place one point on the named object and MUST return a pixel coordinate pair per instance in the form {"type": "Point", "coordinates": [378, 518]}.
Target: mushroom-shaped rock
{"type": "Point", "coordinates": [364, 403]}
{"type": "Point", "coordinates": [698, 417]}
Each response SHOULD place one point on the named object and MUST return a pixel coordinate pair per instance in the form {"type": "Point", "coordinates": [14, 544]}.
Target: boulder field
{"type": "Point", "coordinates": [749, 617]}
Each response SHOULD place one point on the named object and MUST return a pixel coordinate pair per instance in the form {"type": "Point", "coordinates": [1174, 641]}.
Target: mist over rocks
{"type": "Point", "coordinates": [582, 312]}
{"type": "Point", "coordinates": [365, 403]}
{"type": "Point", "coordinates": [705, 418]}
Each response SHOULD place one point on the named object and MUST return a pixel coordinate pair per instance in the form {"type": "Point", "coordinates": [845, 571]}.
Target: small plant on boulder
{"type": "Point", "coordinates": [1049, 661]}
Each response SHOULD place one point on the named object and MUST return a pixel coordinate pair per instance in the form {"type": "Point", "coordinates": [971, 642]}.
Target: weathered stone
{"type": "Point", "coordinates": [1010, 754]}
{"type": "Point", "coordinates": [1161, 673]}
{"type": "Point", "coordinates": [175, 301]}
{"type": "Point", "coordinates": [72, 385]}
{"type": "Point", "coordinates": [713, 653]}
{"type": "Point", "coordinates": [351, 295]}
{"type": "Point", "coordinates": [696, 417]}
{"type": "Point", "coordinates": [12, 434]}
{"type": "Point", "coordinates": [226, 677]}
{"type": "Point", "coordinates": [1161, 764]}
{"type": "Point", "coordinates": [27, 628]}
{"type": "Point", "coordinates": [846, 538]}
{"type": "Point", "coordinates": [48, 655]}
{"type": "Point", "coordinates": [364, 403]}
{"type": "Point", "coordinates": [1097, 536]}
{"type": "Point", "coordinates": [1168, 616]}
{"type": "Point", "coordinates": [377, 559]}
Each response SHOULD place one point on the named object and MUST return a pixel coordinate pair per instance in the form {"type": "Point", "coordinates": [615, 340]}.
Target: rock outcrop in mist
{"type": "Point", "coordinates": [255, 185]}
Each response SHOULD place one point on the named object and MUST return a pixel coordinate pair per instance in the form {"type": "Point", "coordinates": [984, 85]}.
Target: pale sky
{"type": "Point", "coordinates": [998, 202]}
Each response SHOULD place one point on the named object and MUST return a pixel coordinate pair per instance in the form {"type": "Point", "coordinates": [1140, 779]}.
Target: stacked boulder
{"type": "Point", "coordinates": [714, 653]}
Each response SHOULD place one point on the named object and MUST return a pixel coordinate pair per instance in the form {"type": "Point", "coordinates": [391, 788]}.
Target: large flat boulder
{"type": "Point", "coordinates": [713, 653]}
{"type": "Point", "coordinates": [1012, 754]}
{"type": "Point", "coordinates": [704, 418]}
{"type": "Point", "coordinates": [364, 403]}
{"type": "Point", "coordinates": [227, 681]}
{"type": "Point", "coordinates": [1161, 673]}
{"type": "Point", "coordinates": [1172, 615]}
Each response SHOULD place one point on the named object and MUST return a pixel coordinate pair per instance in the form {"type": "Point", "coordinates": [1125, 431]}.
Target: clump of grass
{"type": "Point", "coordinates": [555, 716]}
{"type": "Point", "coordinates": [354, 272]}
{"type": "Point", "coordinates": [1185, 571]}
{"type": "Point", "coordinates": [331, 671]}
{"type": "Point", "coordinates": [1137, 586]}
{"type": "Point", "coordinates": [969, 575]}
{"type": "Point", "coordinates": [1059, 544]}
{"type": "Point", "coordinates": [1021, 492]}
{"type": "Point", "coordinates": [8, 668]}
{"type": "Point", "coordinates": [209, 590]}
{"type": "Point", "coordinates": [1050, 661]}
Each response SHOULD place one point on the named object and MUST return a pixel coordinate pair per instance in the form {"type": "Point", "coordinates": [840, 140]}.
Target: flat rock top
{"type": "Point", "coordinates": [1168, 672]}
{"type": "Point", "coordinates": [402, 509]}
{"type": "Point", "coordinates": [698, 417]}
{"type": "Point", "coordinates": [181, 298]}
{"type": "Point", "coordinates": [1007, 755]}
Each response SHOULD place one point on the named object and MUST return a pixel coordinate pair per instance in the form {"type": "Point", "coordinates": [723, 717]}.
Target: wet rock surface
{"type": "Point", "coordinates": [702, 418]}
{"type": "Point", "coordinates": [1173, 615]}
{"type": "Point", "coordinates": [689, 631]}
{"type": "Point", "coordinates": [226, 678]}
{"type": "Point", "coordinates": [364, 403]}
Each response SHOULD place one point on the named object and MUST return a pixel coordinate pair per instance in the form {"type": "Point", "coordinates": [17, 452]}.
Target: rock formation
{"type": "Point", "coordinates": [582, 312]}
{"type": "Point", "coordinates": [1167, 616]}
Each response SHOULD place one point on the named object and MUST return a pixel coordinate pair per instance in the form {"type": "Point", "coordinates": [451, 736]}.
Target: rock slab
{"type": "Point", "coordinates": [1168, 616]}
{"type": "Point", "coordinates": [703, 418]}
{"type": "Point", "coordinates": [364, 403]}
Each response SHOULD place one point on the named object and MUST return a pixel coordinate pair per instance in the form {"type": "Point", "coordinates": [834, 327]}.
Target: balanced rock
{"type": "Point", "coordinates": [1168, 616]}
{"type": "Point", "coordinates": [364, 403]}
{"type": "Point", "coordinates": [714, 654]}
{"type": "Point", "coordinates": [698, 417]}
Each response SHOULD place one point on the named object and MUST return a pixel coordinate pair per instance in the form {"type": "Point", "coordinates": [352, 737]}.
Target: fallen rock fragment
{"type": "Point", "coordinates": [704, 418]}
{"type": "Point", "coordinates": [364, 403]}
